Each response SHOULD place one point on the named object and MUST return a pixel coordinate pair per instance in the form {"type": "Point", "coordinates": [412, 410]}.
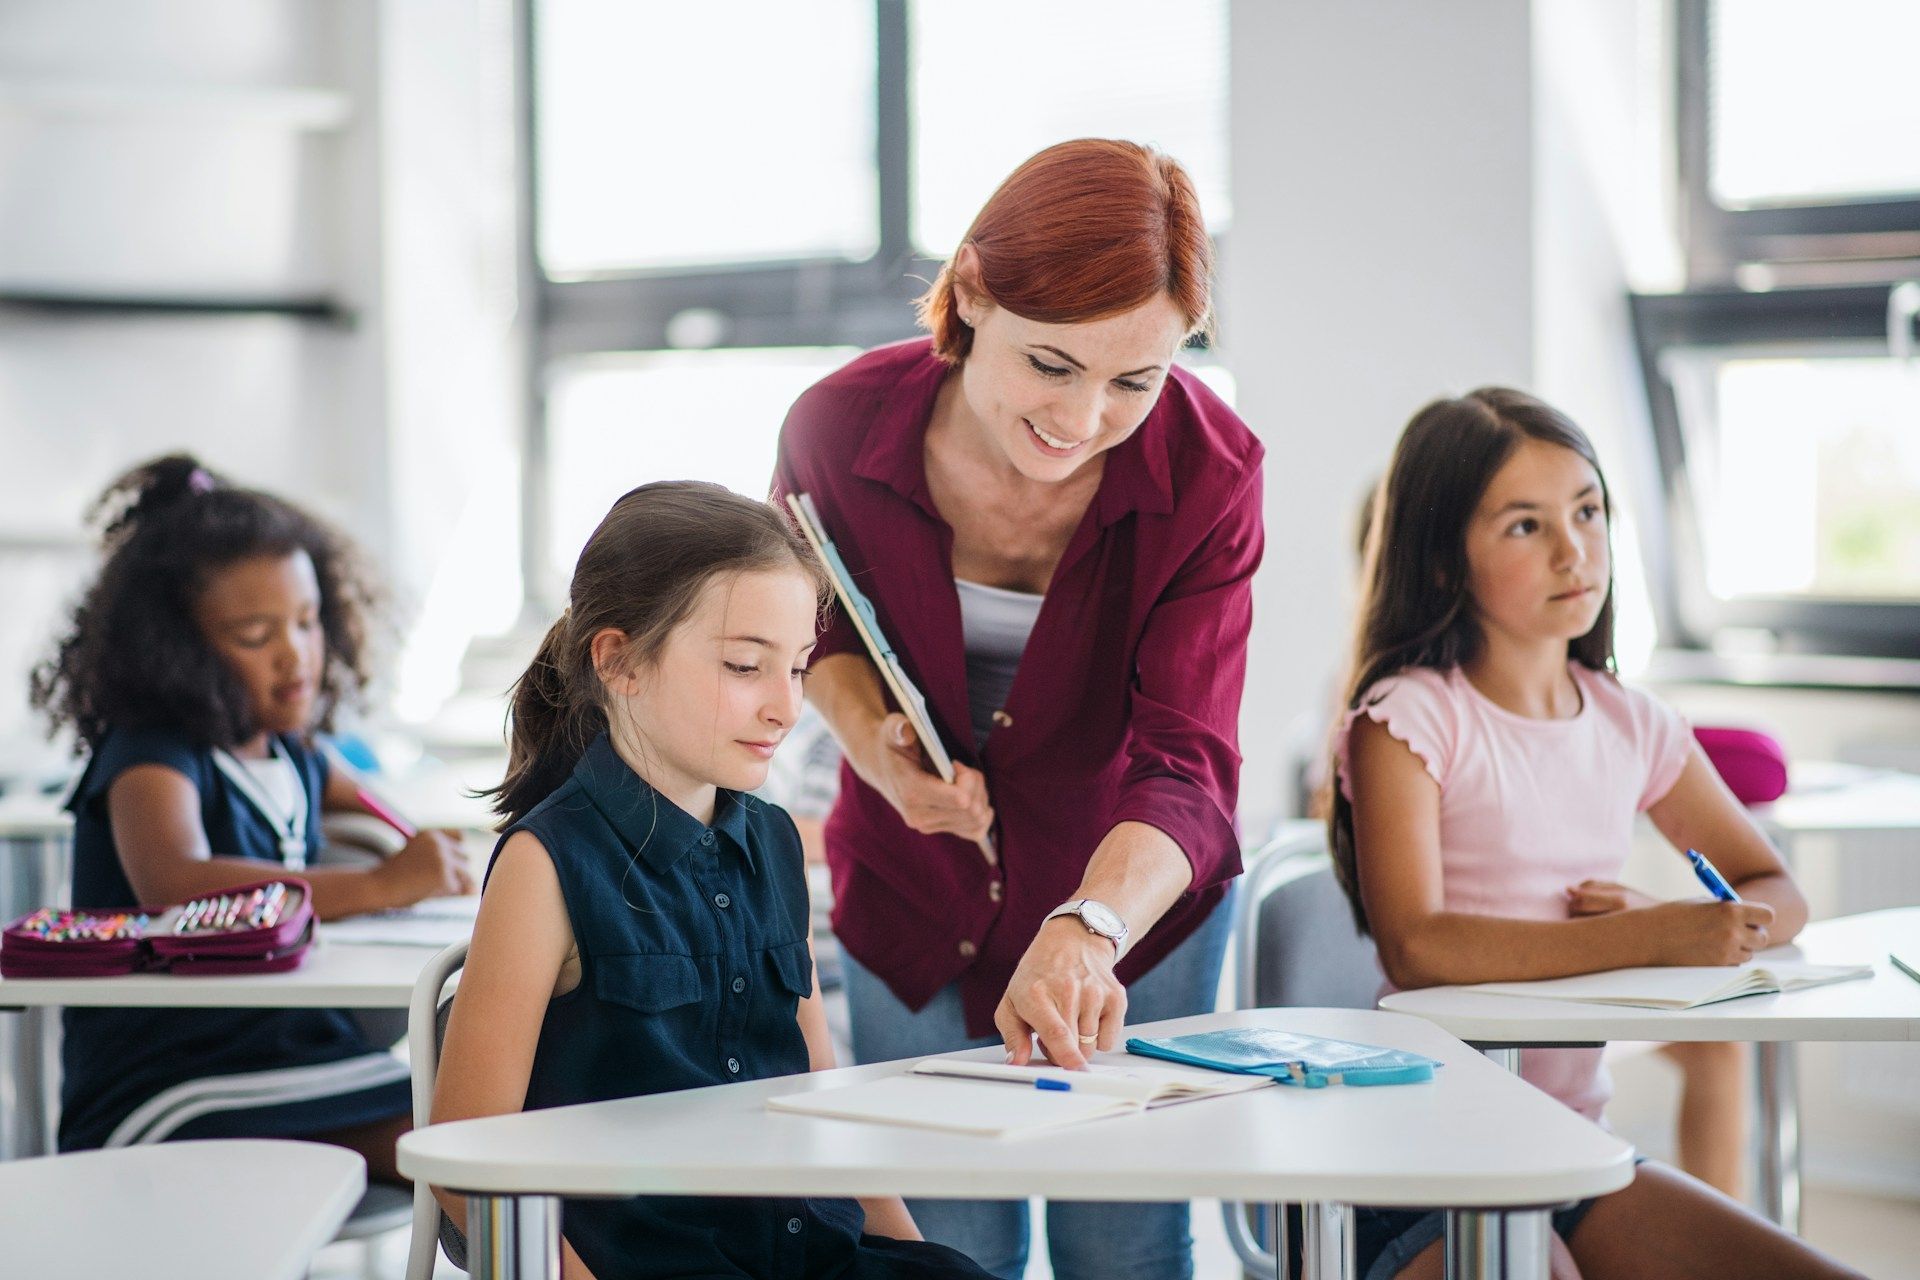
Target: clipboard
{"type": "Point", "coordinates": [860, 611]}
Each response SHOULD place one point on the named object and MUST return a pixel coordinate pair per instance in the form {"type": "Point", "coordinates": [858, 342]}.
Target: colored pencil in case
{"type": "Point", "coordinates": [378, 808]}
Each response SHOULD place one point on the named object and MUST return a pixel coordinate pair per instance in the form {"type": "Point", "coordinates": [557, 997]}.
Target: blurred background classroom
{"type": "Point", "coordinates": [457, 273]}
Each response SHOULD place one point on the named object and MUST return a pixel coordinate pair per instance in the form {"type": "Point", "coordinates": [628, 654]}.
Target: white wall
{"type": "Point", "coordinates": [338, 148]}
{"type": "Point", "coordinates": [1381, 255]}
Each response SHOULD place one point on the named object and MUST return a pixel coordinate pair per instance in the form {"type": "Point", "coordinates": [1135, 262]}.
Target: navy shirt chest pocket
{"type": "Point", "coordinates": [647, 983]}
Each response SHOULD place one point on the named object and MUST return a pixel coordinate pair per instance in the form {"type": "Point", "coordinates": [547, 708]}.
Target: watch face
{"type": "Point", "coordinates": [1103, 919]}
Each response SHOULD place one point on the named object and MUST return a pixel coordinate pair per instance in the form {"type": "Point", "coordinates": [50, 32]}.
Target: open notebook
{"type": "Point", "coordinates": [1681, 987]}
{"type": "Point", "coordinates": [997, 1100]}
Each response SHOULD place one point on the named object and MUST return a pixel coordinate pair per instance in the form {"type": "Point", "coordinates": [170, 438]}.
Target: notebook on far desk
{"type": "Point", "coordinates": [1679, 987]}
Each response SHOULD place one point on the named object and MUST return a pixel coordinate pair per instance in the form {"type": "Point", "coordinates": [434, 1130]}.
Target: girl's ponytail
{"type": "Point", "coordinates": [551, 722]}
{"type": "Point", "coordinates": [142, 493]}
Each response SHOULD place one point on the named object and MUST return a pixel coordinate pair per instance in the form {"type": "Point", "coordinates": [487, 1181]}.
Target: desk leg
{"type": "Point", "coordinates": [1498, 1244]}
{"type": "Point", "coordinates": [27, 1093]}
{"type": "Point", "coordinates": [513, 1237]}
{"type": "Point", "coordinates": [1779, 1133]}
{"type": "Point", "coordinates": [1505, 1059]}
{"type": "Point", "coordinates": [1326, 1241]}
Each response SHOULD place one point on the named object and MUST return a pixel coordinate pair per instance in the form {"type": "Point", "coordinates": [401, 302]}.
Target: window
{"type": "Point", "coordinates": [1783, 398]}
{"type": "Point", "coordinates": [1839, 127]}
{"type": "Point", "coordinates": [991, 87]}
{"type": "Point", "coordinates": [614, 422]}
{"type": "Point", "coordinates": [654, 155]}
{"type": "Point", "coordinates": [1796, 140]}
{"type": "Point", "coordinates": [1786, 433]}
{"type": "Point", "coordinates": [721, 220]}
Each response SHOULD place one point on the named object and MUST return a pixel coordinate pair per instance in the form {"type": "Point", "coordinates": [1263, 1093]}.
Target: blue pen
{"type": "Point", "coordinates": [1710, 876]}
{"type": "Point", "coordinates": [1057, 1086]}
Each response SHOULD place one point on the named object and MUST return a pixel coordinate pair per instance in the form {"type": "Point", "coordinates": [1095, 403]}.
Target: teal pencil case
{"type": "Point", "coordinates": [1311, 1062]}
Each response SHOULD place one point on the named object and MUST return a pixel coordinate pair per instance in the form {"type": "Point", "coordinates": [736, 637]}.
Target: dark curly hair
{"type": "Point", "coordinates": [134, 656]}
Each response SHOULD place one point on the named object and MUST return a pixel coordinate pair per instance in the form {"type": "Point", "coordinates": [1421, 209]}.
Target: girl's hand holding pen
{"type": "Point", "coordinates": [431, 865]}
{"type": "Point", "coordinates": [1706, 933]}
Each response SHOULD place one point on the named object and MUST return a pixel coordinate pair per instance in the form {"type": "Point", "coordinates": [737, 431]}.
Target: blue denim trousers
{"type": "Point", "coordinates": [1085, 1240]}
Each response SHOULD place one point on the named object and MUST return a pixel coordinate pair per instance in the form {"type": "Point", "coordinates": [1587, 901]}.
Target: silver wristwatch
{"type": "Point", "coordinates": [1099, 918]}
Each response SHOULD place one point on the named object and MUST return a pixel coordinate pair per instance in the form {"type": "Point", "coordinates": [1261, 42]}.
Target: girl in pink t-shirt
{"type": "Point", "coordinates": [1488, 773]}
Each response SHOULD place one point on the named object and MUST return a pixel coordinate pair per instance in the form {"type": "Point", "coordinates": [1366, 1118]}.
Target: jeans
{"type": "Point", "coordinates": [1085, 1241]}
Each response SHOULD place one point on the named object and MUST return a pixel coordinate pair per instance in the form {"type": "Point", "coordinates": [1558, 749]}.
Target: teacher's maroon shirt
{"type": "Point", "coordinates": [1126, 702]}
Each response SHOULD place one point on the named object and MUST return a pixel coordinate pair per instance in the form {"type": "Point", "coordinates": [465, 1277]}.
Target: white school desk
{"type": "Point", "coordinates": [1474, 1140]}
{"type": "Point", "coordinates": [333, 976]}
{"type": "Point", "coordinates": [221, 1210]}
{"type": "Point", "coordinates": [1838, 799]}
{"type": "Point", "coordinates": [1885, 1008]}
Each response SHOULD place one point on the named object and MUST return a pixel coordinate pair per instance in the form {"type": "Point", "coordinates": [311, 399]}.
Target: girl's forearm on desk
{"type": "Point", "coordinates": [1450, 948]}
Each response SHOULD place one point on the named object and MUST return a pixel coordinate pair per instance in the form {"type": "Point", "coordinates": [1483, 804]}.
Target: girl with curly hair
{"type": "Point", "coordinates": [224, 628]}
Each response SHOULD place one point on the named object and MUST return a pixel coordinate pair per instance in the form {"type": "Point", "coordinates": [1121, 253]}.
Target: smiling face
{"type": "Point", "coordinates": [1052, 397]}
{"type": "Point", "coordinates": [723, 691]}
{"type": "Point", "coordinates": [261, 616]}
{"type": "Point", "coordinates": [1538, 563]}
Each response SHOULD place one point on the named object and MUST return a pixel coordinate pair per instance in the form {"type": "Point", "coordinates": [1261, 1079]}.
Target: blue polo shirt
{"type": "Point", "coordinates": [141, 1075]}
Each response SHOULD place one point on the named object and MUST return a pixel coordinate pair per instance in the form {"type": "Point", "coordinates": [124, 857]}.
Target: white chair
{"type": "Point", "coordinates": [424, 1030]}
{"type": "Point", "coordinates": [1295, 944]}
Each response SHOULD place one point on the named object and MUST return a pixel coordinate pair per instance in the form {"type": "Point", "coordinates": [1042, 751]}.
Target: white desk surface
{"type": "Point", "coordinates": [336, 975]}
{"type": "Point", "coordinates": [1475, 1136]}
{"type": "Point", "coordinates": [220, 1210]}
{"type": "Point", "coordinates": [1887, 1007]}
{"type": "Point", "coordinates": [1826, 798]}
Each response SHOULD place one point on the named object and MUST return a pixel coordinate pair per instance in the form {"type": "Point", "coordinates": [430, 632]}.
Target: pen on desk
{"type": "Point", "coordinates": [1710, 876]}
{"type": "Point", "coordinates": [378, 808]}
{"type": "Point", "coordinates": [1056, 1086]}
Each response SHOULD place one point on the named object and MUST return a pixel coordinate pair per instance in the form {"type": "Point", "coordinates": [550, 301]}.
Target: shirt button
{"type": "Point", "coordinates": [739, 985]}
{"type": "Point", "coordinates": [722, 901]}
{"type": "Point", "coordinates": [733, 1066]}
{"type": "Point", "coordinates": [793, 1226]}
{"type": "Point", "coordinates": [994, 890]}
{"type": "Point", "coordinates": [706, 837]}
{"type": "Point", "coordinates": [1002, 719]}
{"type": "Point", "coordinates": [967, 948]}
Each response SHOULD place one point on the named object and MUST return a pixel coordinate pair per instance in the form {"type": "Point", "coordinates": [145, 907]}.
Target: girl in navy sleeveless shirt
{"type": "Point", "coordinates": [644, 925]}
{"type": "Point", "coordinates": [223, 627]}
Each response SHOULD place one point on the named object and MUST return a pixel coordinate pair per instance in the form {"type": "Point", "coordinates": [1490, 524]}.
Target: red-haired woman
{"type": "Point", "coordinates": [1037, 489]}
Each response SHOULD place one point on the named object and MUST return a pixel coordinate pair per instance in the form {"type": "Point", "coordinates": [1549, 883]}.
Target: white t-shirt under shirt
{"type": "Point", "coordinates": [1529, 807]}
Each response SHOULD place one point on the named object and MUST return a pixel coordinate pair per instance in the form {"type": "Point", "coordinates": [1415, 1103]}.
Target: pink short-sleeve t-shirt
{"type": "Point", "coordinates": [1530, 807]}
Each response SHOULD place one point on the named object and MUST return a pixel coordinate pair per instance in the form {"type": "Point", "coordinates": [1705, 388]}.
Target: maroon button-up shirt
{"type": "Point", "coordinates": [1125, 705]}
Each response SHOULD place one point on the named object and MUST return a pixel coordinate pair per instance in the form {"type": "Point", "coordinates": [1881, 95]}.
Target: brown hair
{"type": "Point", "coordinates": [641, 573]}
{"type": "Point", "coordinates": [1081, 231]}
{"type": "Point", "coordinates": [1415, 610]}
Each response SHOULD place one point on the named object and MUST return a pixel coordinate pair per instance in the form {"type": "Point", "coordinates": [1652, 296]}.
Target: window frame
{"type": "Point", "coordinates": [802, 302]}
{"type": "Point", "coordinates": [1688, 613]}
{"type": "Point", "coordinates": [1720, 240]}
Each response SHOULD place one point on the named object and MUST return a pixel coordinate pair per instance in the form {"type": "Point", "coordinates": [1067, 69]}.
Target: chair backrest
{"type": "Point", "coordinates": [1753, 764]}
{"type": "Point", "coordinates": [1297, 942]}
{"type": "Point", "coordinates": [1296, 946]}
{"type": "Point", "coordinates": [426, 1027]}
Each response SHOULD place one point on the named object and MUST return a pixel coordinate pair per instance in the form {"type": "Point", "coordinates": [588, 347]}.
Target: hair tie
{"type": "Point", "coordinates": [200, 481]}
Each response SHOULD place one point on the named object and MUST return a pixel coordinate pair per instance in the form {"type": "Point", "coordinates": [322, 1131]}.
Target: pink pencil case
{"type": "Point", "coordinates": [256, 928]}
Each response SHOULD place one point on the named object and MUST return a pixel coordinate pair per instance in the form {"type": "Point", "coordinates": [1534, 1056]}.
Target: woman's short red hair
{"type": "Point", "coordinates": [1083, 230]}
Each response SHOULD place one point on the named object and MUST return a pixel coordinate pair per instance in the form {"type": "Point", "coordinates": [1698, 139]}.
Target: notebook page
{"type": "Point", "coordinates": [988, 1109]}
